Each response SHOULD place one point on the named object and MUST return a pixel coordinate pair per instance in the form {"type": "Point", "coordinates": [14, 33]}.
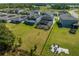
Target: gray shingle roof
{"type": "Point", "coordinates": [66, 17]}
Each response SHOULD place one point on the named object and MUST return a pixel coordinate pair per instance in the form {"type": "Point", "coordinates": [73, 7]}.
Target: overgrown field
{"type": "Point", "coordinates": [30, 36]}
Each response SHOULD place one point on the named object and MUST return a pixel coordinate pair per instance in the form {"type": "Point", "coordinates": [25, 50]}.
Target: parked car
{"type": "Point", "coordinates": [72, 31]}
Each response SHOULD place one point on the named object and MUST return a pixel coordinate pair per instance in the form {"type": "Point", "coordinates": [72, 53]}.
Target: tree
{"type": "Point", "coordinates": [60, 6]}
{"type": "Point", "coordinates": [6, 38]}
{"type": "Point", "coordinates": [33, 50]}
{"type": "Point", "coordinates": [20, 41]}
{"type": "Point", "coordinates": [35, 47]}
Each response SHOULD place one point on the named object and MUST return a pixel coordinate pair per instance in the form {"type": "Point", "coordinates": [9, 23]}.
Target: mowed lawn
{"type": "Point", "coordinates": [62, 37]}
{"type": "Point", "coordinates": [29, 35]}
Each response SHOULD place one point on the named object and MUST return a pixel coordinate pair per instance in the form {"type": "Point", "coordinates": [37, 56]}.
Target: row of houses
{"type": "Point", "coordinates": [29, 19]}
{"type": "Point", "coordinates": [6, 17]}
{"type": "Point", "coordinates": [41, 20]}
{"type": "Point", "coordinates": [44, 20]}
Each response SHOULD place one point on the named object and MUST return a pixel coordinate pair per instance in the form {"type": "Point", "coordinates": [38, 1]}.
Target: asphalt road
{"type": "Point", "coordinates": [74, 14]}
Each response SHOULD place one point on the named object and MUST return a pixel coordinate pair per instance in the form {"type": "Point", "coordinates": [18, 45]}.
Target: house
{"type": "Point", "coordinates": [17, 11]}
{"type": "Point", "coordinates": [23, 17]}
{"type": "Point", "coordinates": [33, 18]}
{"type": "Point", "coordinates": [66, 20]}
{"type": "Point", "coordinates": [6, 17]}
{"type": "Point", "coordinates": [43, 13]}
{"type": "Point", "coordinates": [3, 18]}
{"type": "Point", "coordinates": [17, 20]}
{"type": "Point", "coordinates": [29, 22]}
{"type": "Point", "coordinates": [35, 13]}
{"type": "Point", "coordinates": [45, 22]}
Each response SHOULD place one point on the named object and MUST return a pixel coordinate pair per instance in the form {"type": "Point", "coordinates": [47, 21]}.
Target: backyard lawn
{"type": "Point", "coordinates": [30, 36]}
{"type": "Point", "coordinates": [62, 37]}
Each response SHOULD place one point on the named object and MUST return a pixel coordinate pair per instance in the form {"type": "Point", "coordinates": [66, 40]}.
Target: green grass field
{"type": "Point", "coordinates": [62, 37]}
{"type": "Point", "coordinates": [30, 36]}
